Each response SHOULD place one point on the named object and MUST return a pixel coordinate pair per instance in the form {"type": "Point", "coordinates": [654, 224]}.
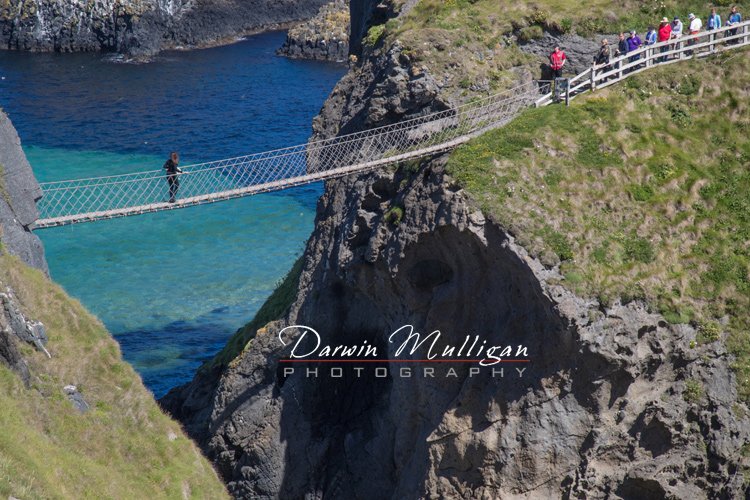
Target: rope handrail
{"type": "Point", "coordinates": [96, 198]}
{"type": "Point", "coordinates": [318, 143]}
{"type": "Point", "coordinates": [93, 198]}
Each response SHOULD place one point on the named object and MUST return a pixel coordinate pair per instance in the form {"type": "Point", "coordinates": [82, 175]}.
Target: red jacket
{"type": "Point", "coordinates": [665, 32]}
{"type": "Point", "coordinates": [556, 59]}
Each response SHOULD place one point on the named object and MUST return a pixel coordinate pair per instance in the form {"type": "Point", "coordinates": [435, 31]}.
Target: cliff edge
{"type": "Point", "coordinates": [557, 232]}
{"type": "Point", "coordinates": [20, 192]}
{"type": "Point", "coordinates": [324, 37]}
{"type": "Point", "coordinates": [76, 420]}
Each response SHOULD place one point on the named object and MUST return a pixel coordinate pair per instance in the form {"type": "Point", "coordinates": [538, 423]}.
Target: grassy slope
{"type": "Point", "coordinates": [466, 42]}
{"type": "Point", "coordinates": [641, 190]}
{"type": "Point", "coordinates": [119, 449]}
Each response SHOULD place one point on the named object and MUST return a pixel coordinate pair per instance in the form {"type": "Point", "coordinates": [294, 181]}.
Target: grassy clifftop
{"type": "Point", "coordinates": [124, 447]}
{"type": "Point", "coordinates": [473, 45]}
{"type": "Point", "coordinates": [640, 190]}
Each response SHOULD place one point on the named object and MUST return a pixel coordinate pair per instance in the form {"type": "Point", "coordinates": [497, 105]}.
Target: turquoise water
{"type": "Point", "coordinates": [172, 286]}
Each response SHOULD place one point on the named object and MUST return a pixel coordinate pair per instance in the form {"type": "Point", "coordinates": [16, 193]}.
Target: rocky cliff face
{"type": "Point", "coordinates": [140, 28]}
{"type": "Point", "coordinates": [324, 37]}
{"type": "Point", "coordinates": [607, 406]}
{"type": "Point", "coordinates": [615, 403]}
{"type": "Point", "coordinates": [19, 192]}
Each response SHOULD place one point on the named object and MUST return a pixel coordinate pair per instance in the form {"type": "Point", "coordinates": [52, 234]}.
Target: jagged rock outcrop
{"type": "Point", "coordinates": [606, 407]}
{"type": "Point", "coordinates": [19, 192]}
{"type": "Point", "coordinates": [140, 28]}
{"type": "Point", "coordinates": [384, 89]}
{"type": "Point", "coordinates": [615, 403]}
{"type": "Point", "coordinates": [15, 328]}
{"type": "Point", "coordinates": [324, 37]}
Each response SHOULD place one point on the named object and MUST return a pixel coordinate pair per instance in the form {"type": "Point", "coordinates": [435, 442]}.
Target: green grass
{"type": "Point", "coordinates": [471, 45]}
{"type": "Point", "coordinates": [374, 34]}
{"type": "Point", "coordinates": [637, 191]}
{"type": "Point", "coordinates": [124, 447]}
{"type": "Point", "coordinates": [693, 391]}
{"type": "Point", "coordinates": [273, 309]}
{"type": "Point", "coordinates": [394, 215]}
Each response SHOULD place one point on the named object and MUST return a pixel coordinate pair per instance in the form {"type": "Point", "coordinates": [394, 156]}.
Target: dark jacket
{"type": "Point", "coordinates": [171, 167]}
{"type": "Point", "coordinates": [602, 57]}
{"type": "Point", "coordinates": [622, 47]}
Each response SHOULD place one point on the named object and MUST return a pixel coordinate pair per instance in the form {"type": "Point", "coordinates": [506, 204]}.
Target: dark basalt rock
{"type": "Point", "coordinates": [324, 37]}
{"type": "Point", "coordinates": [140, 29]}
{"type": "Point", "coordinates": [602, 410]}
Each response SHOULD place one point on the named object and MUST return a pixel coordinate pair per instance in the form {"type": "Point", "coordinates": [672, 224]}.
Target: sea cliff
{"type": "Point", "coordinates": [141, 28]}
{"type": "Point", "coordinates": [324, 37]}
{"type": "Point", "coordinates": [627, 395]}
{"type": "Point", "coordinates": [76, 420]}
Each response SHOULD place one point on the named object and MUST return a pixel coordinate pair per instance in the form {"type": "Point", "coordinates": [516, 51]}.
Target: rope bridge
{"type": "Point", "coordinates": [84, 200]}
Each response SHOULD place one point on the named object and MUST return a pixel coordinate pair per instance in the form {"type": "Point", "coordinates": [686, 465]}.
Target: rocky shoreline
{"type": "Point", "coordinates": [141, 29]}
{"type": "Point", "coordinates": [324, 37]}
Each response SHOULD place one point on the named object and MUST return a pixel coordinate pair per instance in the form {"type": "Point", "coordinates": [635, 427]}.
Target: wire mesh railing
{"type": "Point", "coordinates": [82, 200]}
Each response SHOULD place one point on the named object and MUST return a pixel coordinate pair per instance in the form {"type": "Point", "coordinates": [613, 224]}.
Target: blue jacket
{"type": "Point", "coordinates": [714, 22]}
{"type": "Point", "coordinates": [651, 37]}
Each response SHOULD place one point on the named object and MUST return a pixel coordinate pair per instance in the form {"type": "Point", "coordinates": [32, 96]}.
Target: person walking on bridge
{"type": "Point", "coordinates": [171, 166]}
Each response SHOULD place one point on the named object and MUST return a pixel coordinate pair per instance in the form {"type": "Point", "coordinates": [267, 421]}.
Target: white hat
{"type": "Point", "coordinates": [691, 16]}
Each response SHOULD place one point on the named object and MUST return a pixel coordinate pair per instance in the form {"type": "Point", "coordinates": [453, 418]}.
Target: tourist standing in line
{"type": "Point", "coordinates": [634, 43]}
{"type": "Point", "coordinates": [601, 59]}
{"type": "Point", "coordinates": [695, 24]}
{"type": "Point", "coordinates": [714, 21]}
{"type": "Point", "coordinates": [665, 34]}
{"type": "Point", "coordinates": [676, 33]}
{"type": "Point", "coordinates": [734, 18]}
{"type": "Point", "coordinates": [695, 27]}
{"type": "Point", "coordinates": [173, 171]}
{"type": "Point", "coordinates": [676, 27]}
{"type": "Point", "coordinates": [622, 48]}
{"type": "Point", "coordinates": [622, 45]}
{"type": "Point", "coordinates": [557, 61]}
{"type": "Point", "coordinates": [651, 36]}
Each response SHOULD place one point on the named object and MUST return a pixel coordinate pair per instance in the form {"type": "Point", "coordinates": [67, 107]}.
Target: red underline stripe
{"type": "Point", "coordinates": [401, 361]}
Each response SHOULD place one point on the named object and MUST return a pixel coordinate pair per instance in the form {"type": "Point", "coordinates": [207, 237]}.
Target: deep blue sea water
{"type": "Point", "coordinates": [172, 287]}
